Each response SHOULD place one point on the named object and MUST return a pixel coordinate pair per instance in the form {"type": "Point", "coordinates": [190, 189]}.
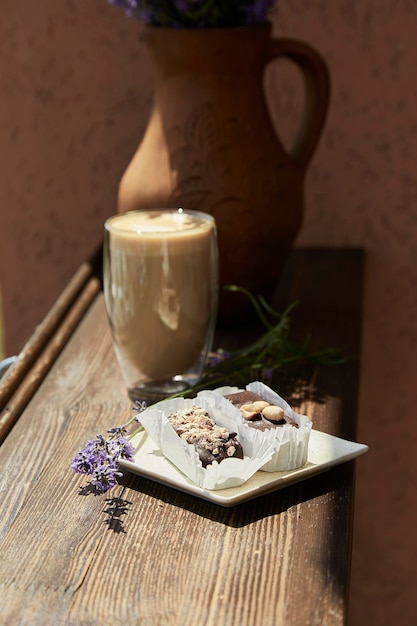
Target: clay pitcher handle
{"type": "Point", "coordinates": [317, 94]}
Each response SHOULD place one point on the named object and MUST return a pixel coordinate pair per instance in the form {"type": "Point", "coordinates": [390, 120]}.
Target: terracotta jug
{"type": "Point", "coordinates": [210, 146]}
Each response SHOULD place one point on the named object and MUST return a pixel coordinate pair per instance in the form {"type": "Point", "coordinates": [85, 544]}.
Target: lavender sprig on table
{"type": "Point", "coordinates": [99, 458]}
{"type": "Point", "coordinates": [274, 350]}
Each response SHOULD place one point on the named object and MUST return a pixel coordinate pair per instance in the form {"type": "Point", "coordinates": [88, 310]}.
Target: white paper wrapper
{"type": "Point", "coordinates": [290, 444]}
{"type": "Point", "coordinates": [230, 472]}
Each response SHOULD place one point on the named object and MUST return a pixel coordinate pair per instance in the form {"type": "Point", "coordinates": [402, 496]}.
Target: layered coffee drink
{"type": "Point", "coordinates": [160, 287]}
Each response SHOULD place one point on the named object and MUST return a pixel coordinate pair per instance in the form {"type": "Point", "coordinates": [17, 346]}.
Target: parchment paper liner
{"type": "Point", "coordinates": [230, 472]}
{"type": "Point", "coordinates": [290, 444]}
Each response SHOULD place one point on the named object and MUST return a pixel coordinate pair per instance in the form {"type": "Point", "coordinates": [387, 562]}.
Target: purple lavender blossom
{"type": "Point", "coordinates": [196, 13]}
{"type": "Point", "coordinates": [181, 5]}
{"type": "Point", "coordinates": [117, 430]}
{"type": "Point", "coordinates": [139, 406]}
{"type": "Point", "coordinates": [105, 477]}
{"type": "Point", "coordinates": [267, 374]}
{"type": "Point", "coordinates": [217, 357]}
{"type": "Point", "coordinates": [99, 458]}
{"type": "Point", "coordinates": [257, 10]}
{"type": "Point", "coordinates": [120, 448]}
{"type": "Point", "coordinates": [93, 453]}
{"type": "Point", "coordinates": [82, 463]}
{"type": "Point", "coordinates": [130, 7]}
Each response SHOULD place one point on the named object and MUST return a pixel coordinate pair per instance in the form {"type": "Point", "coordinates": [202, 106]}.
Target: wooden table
{"type": "Point", "coordinates": [164, 557]}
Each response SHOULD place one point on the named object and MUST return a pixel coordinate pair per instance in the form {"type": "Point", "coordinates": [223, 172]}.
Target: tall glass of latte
{"type": "Point", "coordinates": [160, 291]}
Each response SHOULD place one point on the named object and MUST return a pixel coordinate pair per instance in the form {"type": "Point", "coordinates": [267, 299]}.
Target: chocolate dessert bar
{"type": "Point", "coordinates": [212, 442]}
{"type": "Point", "coordinates": [258, 412]}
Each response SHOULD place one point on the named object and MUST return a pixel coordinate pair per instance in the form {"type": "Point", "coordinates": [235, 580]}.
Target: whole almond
{"type": "Point", "coordinates": [273, 413]}
{"type": "Point", "coordinates": [257, 406]}
{"type": "Point", "coordinates": [249, 415]}
{"type": "Point", "coordinates": [253, 409]}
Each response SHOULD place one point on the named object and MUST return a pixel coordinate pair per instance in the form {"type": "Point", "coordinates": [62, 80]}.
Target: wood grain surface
{"type": "Point", "coordinates": [156, 556]}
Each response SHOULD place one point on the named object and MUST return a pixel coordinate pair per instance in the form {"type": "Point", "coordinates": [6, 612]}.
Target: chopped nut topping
{"type": "Point", "coordinates": [195, 423]}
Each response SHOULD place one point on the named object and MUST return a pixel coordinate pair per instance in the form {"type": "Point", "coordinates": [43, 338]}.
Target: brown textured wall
{"type": "Point", "coordinates": [75, 94]}
{"type": "Point", "coordinates": [75, 97]}
{"type": "Point", "coordinates": [362, 190]}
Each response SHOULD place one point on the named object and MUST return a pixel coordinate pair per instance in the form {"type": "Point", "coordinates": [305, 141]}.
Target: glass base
{"type": "Point", "coordinates": [154, 391]}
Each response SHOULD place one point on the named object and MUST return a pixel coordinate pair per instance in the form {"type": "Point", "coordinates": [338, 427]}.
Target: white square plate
{"type": "Point", "coordinates": [324, 451]}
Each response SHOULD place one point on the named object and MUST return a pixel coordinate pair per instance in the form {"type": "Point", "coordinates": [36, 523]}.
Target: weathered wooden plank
{"type": "Point", "coordinates": [170, 558]}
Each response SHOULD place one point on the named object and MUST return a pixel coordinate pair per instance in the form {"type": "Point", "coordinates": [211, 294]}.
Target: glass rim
{"type": "Point", "coordinates": [205, 218]}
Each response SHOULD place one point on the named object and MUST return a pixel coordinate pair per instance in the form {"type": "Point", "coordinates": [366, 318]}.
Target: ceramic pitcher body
{"type": "Point", "coordinates": [210, 146]}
